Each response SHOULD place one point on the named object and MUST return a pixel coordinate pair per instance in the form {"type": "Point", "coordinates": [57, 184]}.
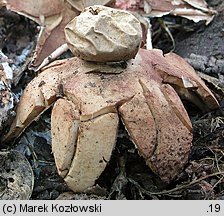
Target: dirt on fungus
{"type": "Point", "coordinates": [127, 176]}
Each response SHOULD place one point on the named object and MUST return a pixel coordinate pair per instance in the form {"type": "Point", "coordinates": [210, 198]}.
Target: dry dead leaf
{"type": "Point", "coordinates": [195, 10]}
{"type": "Point", "coordinates": [52, 16]}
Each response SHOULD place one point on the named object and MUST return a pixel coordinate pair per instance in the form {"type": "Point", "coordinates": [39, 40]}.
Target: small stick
{"type": "Point", "coordinates": [63, 48]}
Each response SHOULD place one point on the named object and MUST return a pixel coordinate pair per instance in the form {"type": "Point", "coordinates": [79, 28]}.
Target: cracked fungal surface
{"type": "Point", "coordinates": [91, 97]}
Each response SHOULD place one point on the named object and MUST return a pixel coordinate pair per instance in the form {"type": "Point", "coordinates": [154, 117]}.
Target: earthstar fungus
{"type": "Point", "coordinates": [142, 90]}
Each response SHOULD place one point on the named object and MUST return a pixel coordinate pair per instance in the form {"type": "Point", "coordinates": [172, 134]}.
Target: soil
{"type": "Point", "coordinates": [127, 176]}
{"type": "Point", "coordinates": [207, 40]}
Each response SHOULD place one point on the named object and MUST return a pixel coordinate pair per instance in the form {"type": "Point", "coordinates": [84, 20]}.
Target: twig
{"type": "Point", "coordinates": [210, 191]}
{"type": "Point", "coordinates": [163, 24]}
{"type": "Point", "coordinates": [63, 48]}
{"type": "Point", "coordinates": [181, 187]}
